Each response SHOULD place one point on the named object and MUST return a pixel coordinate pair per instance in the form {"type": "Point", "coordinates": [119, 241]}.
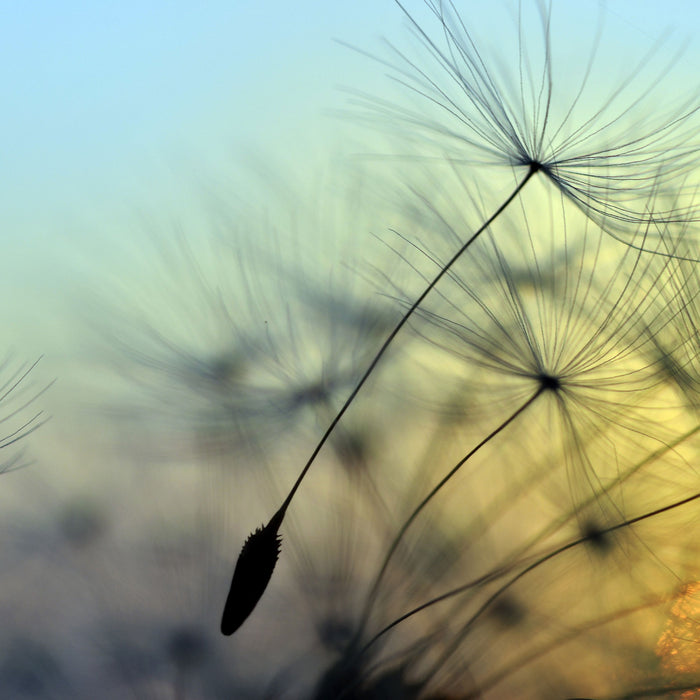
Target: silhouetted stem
{"type": "Point", "coordinates": [444, 270]}
{"type": "Point", "coordinates": [258, 557]}
{"type": "Point", "coordinates": [497, 573]}
{"type": "Point", "coordinates": [371, 598]}
{"type": "Point", "coordinates": [535, 565]}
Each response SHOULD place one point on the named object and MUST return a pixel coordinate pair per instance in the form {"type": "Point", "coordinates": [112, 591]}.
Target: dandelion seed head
{"type": "Point", "coordinates": [607, 155]}
{"type": "Point", "coordinates": [549, 382]}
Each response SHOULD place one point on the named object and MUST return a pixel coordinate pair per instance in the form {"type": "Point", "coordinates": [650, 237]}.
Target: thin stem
{"type": "Point", "coordinates": [534, 167]}
{"type": "Point", "coordinates": [371, 598]}
{"type": "Point", "coordinates": [535, 565]}
{"type": "Point", "coordinates": [258, 557]}
{"type": "Point", "coordinates": [506, 568]}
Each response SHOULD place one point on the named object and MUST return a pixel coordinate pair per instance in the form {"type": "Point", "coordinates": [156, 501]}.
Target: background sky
{"type": "Point", "coordinates": [113, 110]}
{"type": "Point", "coordinates": [103, 100]}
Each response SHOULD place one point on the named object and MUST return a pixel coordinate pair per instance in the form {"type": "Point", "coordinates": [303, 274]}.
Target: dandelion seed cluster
{"type": "Point", "coordinates": [504, 502]}
{"type": "Point", "coordinates": [471, 457]}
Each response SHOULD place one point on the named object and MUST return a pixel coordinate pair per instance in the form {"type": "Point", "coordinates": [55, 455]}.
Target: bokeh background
{"type": "Point", "coordinates": [127, 127]}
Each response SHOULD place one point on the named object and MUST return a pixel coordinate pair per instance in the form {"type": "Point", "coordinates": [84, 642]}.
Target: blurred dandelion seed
{"type": "Point", "coordinates": [17, 395]}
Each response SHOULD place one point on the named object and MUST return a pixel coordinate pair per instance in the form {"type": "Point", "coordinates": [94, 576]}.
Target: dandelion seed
{"type": "Point", "coordinates": [253, 571]}
{"type": "Point", "coordinates": [540, 145]}
{"type": "Point", "coordinates": [256, 345]}
{"type": "Point", "coordinates": [608, 162]}
{"type": "Point", "coordinates": [573, 347]}
{"type": "Point", "coordinates": [16, 396]}
{"type": "Point", "coordinates": [388, 341]}
{"type": "Point", "coordinates": [495, 597]}
{"type": "Point", "coordinates": [583, 338]}
{"type": "Point", "coordinates": [561, 365]}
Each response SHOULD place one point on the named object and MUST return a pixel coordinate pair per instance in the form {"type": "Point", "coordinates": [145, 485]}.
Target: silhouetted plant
{"type": "Point", "coordinates": [510, 505]}
{"type": "Point", "coordinates": [607, 157]}
{"type": "Point", "coordinates": [19, 414]}
{"type": "Point", "coordinates": [239, 354]}
{"type": "Point", "coordinates": [612, 166]}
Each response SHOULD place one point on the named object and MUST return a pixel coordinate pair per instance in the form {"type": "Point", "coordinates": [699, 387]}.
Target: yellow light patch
{"type": "Point", "coordinates": [679, 645]}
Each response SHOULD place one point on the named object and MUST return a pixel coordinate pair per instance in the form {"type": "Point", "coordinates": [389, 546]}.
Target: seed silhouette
{"type": "Point", "coordinates": [253, 571]}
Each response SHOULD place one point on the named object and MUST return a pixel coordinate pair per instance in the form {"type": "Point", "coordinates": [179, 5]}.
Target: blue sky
{"type": "Point", "coordinates": [96, 91]}
{"type": "Point", "coordinates": [111, 108]}
{"type": "Point", "coordinates": [92, 90]}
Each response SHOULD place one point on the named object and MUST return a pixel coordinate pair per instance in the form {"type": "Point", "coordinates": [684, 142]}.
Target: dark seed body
{"type": "Point", "coordinates": [253, 571]}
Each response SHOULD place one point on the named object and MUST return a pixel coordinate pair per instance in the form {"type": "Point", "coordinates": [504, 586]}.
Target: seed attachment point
{"type": "Point", "coordinates": [596, 537]}
{"type": "Point", "coordinates": [548, 382]}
